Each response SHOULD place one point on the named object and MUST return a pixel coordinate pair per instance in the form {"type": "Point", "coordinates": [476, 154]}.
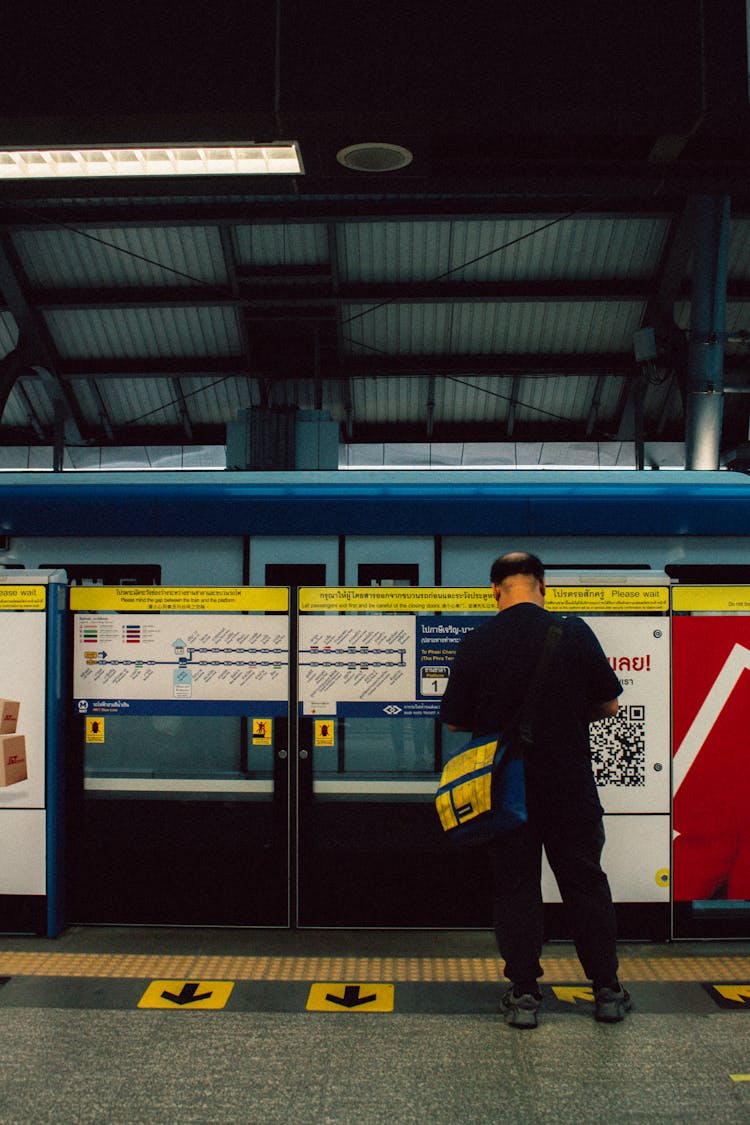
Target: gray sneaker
{"type": "Point", "coordinates": [610, 1006]}
{"type": "Point", "coordinates": [520, 1011]}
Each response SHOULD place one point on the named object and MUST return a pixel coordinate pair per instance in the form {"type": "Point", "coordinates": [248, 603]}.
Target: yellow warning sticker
{"type": "Point", "coordinates": [94, 729]}
{"type": "Point", "coordinates": [324, 732]}
{"type": "Point", "coordinates": [25, 596]}
{"type": "Point", "coordinates": [350, 997]}
{"type": "Point", "coordinates": [183, 994]}
{"type": "Point", "coordinates": [396, 599]}
{"type": "Point", "coordinates": [714, 599]}
{"type": "Point", "coordinates": [185, 599]}
{"type": "Point", "coordinates": [262, 732]}
{"type": "Point", "coordinates": [607, 599]}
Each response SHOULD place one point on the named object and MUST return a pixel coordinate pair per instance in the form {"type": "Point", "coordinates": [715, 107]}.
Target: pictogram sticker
{"type": "Point", "coordinates": [325, 732]}
{"type": "Point", "coordinates": [262, 732]}
{"type": "Point", "coordinates": [94, 729]}
{"type": "Point", "coordinates": [184, 994]}
{"type": "Point", "coordinates": [350, 997]}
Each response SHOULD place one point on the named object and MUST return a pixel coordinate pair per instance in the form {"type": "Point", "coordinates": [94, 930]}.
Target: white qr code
{"type": "Point", "coordinates": [618, 748]}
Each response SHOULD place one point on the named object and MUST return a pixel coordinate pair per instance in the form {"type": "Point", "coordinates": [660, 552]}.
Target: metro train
{"type": "Point", "coordinates": [323, 817]}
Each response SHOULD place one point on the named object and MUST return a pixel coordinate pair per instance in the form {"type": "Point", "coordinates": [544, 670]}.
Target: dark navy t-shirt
{"type": "Point", "coordinates": [486, 688]}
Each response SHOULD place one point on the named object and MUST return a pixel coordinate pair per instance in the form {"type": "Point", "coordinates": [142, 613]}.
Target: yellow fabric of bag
{"type": "Point", "coordinates": [468, 778]}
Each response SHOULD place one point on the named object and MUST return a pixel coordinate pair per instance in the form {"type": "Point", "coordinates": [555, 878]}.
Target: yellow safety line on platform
{"type": "Point", "coordinates": [427, 969]}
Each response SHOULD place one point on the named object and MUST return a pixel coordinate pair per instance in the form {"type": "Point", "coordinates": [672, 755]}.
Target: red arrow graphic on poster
{"type": "Point", "coordinates": [723, 686]}
{"type": "Point", "coordinates": [711, 693]}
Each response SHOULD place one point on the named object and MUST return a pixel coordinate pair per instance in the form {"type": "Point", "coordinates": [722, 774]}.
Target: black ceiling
{"type": "Point", "coordinates": [612, 109]}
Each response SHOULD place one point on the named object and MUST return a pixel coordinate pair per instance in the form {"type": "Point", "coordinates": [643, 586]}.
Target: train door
{"type": "Point", "coordinates": [181, 706]}
{"type": "Point", "coordinates": [372, 664]}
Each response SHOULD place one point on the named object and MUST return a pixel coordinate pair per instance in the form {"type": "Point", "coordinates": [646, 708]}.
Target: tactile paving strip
{"type": "Point", "coordinates": [666, 967]}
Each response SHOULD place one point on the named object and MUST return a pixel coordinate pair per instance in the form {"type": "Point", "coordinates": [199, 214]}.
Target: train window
{"type": "Point", "coordinates": [108, 574]}
{"type": "Point", "coordinates": [388, 574]}
{"type": "Point", "coordinates": [710, 574]}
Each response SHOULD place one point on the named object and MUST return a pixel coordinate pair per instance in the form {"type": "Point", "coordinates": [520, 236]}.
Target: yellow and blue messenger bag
{"type": "Point", "coordinates": [482, 791]}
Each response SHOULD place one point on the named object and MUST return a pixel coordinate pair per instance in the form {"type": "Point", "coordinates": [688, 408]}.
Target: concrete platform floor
{"type": "Point", "coordinates": [160, 1025]}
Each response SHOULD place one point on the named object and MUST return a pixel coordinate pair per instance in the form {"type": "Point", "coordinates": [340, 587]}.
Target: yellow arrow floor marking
{"type": "Point", "coordinates": [740, 993]}
{"type": "Point", "coordinates": [350, 997]}
{"type": "Point", "coordinates": [186, 994]}
{"type": "Point", "coordinates": [571, 993]}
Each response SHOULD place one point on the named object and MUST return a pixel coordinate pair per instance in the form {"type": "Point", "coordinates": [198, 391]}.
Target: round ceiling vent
{"type": "Point", "coordinates": [374, 156]}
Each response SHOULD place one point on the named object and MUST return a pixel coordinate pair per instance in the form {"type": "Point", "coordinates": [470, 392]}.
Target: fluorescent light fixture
{"type": "Point", "coordinates": [278, 159]}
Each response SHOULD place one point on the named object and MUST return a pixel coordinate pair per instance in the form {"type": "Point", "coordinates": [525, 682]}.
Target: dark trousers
{"type": "Point", "coordinates": [574, 853]}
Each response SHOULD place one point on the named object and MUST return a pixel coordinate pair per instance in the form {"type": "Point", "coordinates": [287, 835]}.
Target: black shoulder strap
{"type": "Point", "coordinates": [536, 684]}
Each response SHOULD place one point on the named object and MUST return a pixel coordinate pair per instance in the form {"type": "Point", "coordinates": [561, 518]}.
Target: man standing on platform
{"type": "Point", "coordinates": [485, 691]}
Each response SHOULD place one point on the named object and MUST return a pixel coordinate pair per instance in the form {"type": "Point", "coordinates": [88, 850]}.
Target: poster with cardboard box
{"type": "Point", "coordinates": [22, 684]}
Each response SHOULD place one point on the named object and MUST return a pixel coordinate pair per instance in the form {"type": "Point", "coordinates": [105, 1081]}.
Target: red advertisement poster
{"type": "Point", "coordinates": [711, 767]}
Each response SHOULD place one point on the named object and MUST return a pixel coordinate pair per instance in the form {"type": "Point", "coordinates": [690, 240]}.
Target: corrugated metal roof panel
{"type": "Point", "coordinates": [486, 328]}
{"type": "Point", "coordinates": [473, 398]}
{"type": "Point", "coordinates": [27, 400]}
{"type": "Point", "coordinates": [141, 402]}
{"type": "Point", "coordinates": [8, 332]}
{"type": "Point", "coordinates": [214, 401]}
{"type": "Point", "coordinates": [478, 398]}
{"type": "Point", "coordinates": [537, 400]}
{"type": "Point", "coordinates": [409, 329]}
{"type": "Point", "coordinates": [134, 333]}
{"type": "Point", "coordinates": [393, 251]}
{"type": "Point", "coordinates": [293, 244]}
{"type": "Point", "coordinates": [475, 250]}
{"type": "Point", "coordinates": [559, 248]}
{"type": "Point", "coordinates": [389, 400]}
{"type": "Point", "coordinates": [127, 256]}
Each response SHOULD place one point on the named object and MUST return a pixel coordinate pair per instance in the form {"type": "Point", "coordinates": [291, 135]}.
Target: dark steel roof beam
{"type": "Point", "coordinates": [509, 364]}
{"type": "Point", "coordinates": [278, 297]}
{"type": "Point", "coordinates": [337, 207]}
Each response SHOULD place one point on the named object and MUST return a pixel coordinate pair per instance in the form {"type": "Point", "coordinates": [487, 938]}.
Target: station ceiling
{"type": "Point", "coordinates": [486, 291]}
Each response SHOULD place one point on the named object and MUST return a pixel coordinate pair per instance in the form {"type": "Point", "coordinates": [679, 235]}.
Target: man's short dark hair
{"type": "Point", "coordinates": [516, 563]}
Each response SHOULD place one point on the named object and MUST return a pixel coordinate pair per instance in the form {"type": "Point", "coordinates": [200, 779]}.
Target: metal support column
{"type": "Point", "coordinates": [705, 386]}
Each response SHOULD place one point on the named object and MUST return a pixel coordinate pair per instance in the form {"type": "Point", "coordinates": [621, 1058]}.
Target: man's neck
{"type": "Point", "coordinates": [518, 592]}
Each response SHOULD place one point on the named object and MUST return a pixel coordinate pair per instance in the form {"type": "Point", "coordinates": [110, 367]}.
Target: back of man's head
{"type": "Point", "coordinates": [517, 562]}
